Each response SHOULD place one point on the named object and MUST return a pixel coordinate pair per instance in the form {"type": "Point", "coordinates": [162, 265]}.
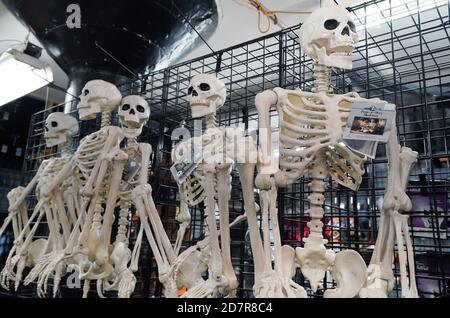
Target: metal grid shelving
{"type": "Point", "coordinates": [402, 57]}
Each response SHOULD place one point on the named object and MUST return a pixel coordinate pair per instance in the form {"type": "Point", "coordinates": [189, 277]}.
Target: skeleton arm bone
{"type": "Point", "coordinates": [102, 253]}
{"type": "Point", "coordinates": [65, 172]}
{"type": "Point", "coordinates": [146, 151]}
{"type": "Point", "coordinates": [395, 201]}
{"type": "Point", "coordinates": [27, 190]}
{"type": "Point", "coordinates": [264, 101]}
{"type": "Point", "coordinates": [101, 166]}
{"type": "Point", "coordinates": [14, 213]}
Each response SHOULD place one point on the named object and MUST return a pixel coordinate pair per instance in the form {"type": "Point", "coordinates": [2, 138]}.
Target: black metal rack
{"type": "Point", "coordinates": [402, 57]}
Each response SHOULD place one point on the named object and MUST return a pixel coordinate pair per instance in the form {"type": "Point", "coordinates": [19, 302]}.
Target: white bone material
{"type": "Point", "coordinates": [96, 168]}
{"type": "Point", "coordinates": [98, 96]}
{"type": "Point", "coordinates": [310, 141]}
{"type": "Point", "coordinates": [59, 128]}
{"type": "Point", "coordinates": [134, 112]}
{"type": "Point", "coordinates": [328, 36]}
{"type": "Point", "coordinates": [394, 230]}
{"type": "Point", "coordinates": [206, 94]}
{"type": "Point", "coordinates": [221, 149]}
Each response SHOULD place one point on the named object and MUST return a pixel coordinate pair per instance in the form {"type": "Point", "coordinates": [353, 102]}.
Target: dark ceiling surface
{"type": "Point", "coordinates": [140, 34]}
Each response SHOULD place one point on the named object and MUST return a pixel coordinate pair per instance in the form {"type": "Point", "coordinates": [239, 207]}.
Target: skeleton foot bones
{"type": "Point", "coordinates": [105, 176]}
{"type": "Point", "coordinates": [210, 182]}
{"type": "Point", "coordinates": [59, 128]}
{"type": "Point", "coordinates": [91, 250]}
{"type": "Point", "coordinates": [311, 127]}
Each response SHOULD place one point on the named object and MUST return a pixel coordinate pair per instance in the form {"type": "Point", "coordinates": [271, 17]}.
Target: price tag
{"type": "Point", "coordinates": [368, 124]}
{"type": "Point", "coordinates": [132, 168]}
{"type": "Point", "coordinates": [184, 167]}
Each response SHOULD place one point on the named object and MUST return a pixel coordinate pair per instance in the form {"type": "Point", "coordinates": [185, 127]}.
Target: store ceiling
{"type": "Point", "coordinates": [238, 23]}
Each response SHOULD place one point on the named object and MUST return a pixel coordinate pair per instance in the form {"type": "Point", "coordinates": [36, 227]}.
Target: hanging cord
{"type": "Point", "coordinates": [270, 15]}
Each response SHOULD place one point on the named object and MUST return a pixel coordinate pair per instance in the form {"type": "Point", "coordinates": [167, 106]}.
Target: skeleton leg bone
{"type": "Point", "coordinates": [216, 278]}
{"type": "Point", "coordinates": [224, 194]}
{"type": "Point", "coordinates": [161, 260]}
{"type": "Point", "coordinates": [246, 174]}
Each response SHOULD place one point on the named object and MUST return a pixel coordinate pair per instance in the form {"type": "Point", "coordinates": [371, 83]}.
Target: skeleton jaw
{"type": "Point", "coordinates": [131, 130]}
{"type": "Point", "coordinates": [54, 140]}
{"type": "Point", "coordinates": [201, 108]}
{"type": "Point", "coordinates": [339, 56]}
{"type": "Point", "coordinates": [88, 111]}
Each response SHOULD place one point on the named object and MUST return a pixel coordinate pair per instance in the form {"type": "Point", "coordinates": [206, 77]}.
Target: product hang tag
{"type": "Point", "coordinates": [132, 168]}
{"type": "Point", "coordinates": [184, 167]}
{"type": "Point", "coordinates": [368, 124]}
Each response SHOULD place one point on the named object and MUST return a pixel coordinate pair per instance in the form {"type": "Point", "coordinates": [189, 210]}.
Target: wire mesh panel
{"type": "Point", "coordinates": [402, 57]}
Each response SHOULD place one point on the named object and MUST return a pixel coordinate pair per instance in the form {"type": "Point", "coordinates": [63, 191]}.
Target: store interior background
{"type": "Point", "coordinates": [406, 61]}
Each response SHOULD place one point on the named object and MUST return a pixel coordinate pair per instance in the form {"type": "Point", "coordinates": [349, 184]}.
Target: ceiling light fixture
{"type": "Point", "coordinates": [22, 73]}
{"type": "Point", "coordinates": [377, 19]}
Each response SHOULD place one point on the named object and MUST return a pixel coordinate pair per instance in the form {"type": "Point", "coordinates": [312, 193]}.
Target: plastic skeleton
{"type": "Point", "coordinates": [209, 182]}
{"type": "Point", "coordinates": [59, 128]}
{"type": "Point", "coordinates": [134, 113]}
{"type": "Point", "coordinates": [311, 127]}
{"type": "Point", "coordinates": [97, 165]}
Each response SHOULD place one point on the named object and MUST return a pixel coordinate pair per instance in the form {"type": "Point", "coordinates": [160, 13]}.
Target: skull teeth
{"type": "Point", "coordinates": [341, 54]}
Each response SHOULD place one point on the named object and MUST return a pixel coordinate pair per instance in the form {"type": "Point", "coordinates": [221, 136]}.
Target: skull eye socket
{"type": "Point", "coordinates": [126, 107]}
{"type": "Point", "coordinates": [54, 124]}
{"type": "Point", "coordinates": [352, 26]}
{"type": "Point", "coordinates": [86, 92]}
{"type": "Point", "coordinates": [190, 90]}
{"type": "Point", "coordinates": [140, 109]}
{"type": "Point", "coordinates": [331, 24]}
{"type": "Point", "coordinates": [205, 87]}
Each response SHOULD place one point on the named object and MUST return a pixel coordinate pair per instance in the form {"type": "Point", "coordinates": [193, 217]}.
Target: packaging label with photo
{"type": "Point", "coordinates": [186, 165]}
{"type": "Point", "coordinates": [370, 122]}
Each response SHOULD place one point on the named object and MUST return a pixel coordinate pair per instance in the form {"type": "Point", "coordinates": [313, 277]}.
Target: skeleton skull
{"type": "Point", "coordinates": [134, 113]}
{"type": "Point", "coordinates": [206, 94]}
{"type": "Point", "coordinates": [328, 36]}
{"type": "Point", "coordinates": [59, 127]}
{"type": "Point", "coordinates": [98, 96]}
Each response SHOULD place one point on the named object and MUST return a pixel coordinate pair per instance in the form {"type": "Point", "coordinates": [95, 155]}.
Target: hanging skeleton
{"type": "Point", "coordinates": [310, 142]}
{"type": "Point", "coordinates": [220, 149]}
{"type": "Point", "coordinates": [59, 128]}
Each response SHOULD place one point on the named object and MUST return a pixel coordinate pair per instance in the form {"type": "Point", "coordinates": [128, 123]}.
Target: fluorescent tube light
{"type": "Point", "coordinates": [377, 19]}
{"type": "Point", "coordinates": [21, 74]}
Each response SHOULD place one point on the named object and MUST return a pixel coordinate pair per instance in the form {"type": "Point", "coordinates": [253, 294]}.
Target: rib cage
{"type": "Point", "coordinates": [90, 150]}
{"type": "Point", "coordinates": [49, 170]}
{"type": "Point", "coordinates": [310, 122]}
{"type": "Point", "coordinates": [129, 185]}
{"type": "Point", "coordinates": [88, 153]}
